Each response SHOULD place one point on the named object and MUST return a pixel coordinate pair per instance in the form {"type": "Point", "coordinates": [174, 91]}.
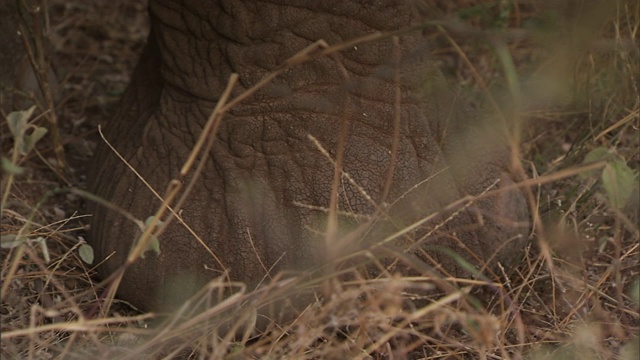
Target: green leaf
{"type": "Point", "coordinates": [149, 220]}
{"type": "Point", "coordinates": [600, 153]}
{"type": "Point", "coordinates": [17, 121]}
{"type": "Point", "coordinates": [154, 243]}
{"type": "Point", "coordinates": [618, 181]}
{"type": "Point", "coordinates": [31, 139]}
{"type": "Point", "coordinates": [594, 155]}
{"type": "Point", "coordinates": [86, 253]}
{"type": "Point", "coordinates": [10, 168]}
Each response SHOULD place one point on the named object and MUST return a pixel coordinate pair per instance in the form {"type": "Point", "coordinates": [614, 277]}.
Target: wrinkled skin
{"type": "Point", "coordinates": [247, 203]}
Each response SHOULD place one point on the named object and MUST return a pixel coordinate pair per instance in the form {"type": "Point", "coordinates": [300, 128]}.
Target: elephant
{"type": "Point", "coordinates": [368, 135]}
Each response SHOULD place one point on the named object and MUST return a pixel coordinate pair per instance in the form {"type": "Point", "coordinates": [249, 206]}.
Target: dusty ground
{"type": "Point", "coordinates": [576, 294]}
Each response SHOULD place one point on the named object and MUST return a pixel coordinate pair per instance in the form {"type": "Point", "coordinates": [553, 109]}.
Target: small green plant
{"type": "Point", "coordinates": [25, 136]}
{"type": "Point", "coordinates": [154, 243]}
{"type": "Point", "coordinates": [86, 253]}
{"type": "Point", "coordinates": [617, 178]}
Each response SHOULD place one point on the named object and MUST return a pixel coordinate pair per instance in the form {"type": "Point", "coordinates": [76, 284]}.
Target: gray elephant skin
{"type": "Point", "coordinates": [260, 202]}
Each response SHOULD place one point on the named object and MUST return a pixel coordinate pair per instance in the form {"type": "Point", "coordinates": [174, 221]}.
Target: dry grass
{"type": "Point", "coordinates": [566, 75]}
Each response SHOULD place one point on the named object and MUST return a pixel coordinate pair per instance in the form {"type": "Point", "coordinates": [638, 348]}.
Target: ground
{"type": "Point", "coordinates": [567, 75]}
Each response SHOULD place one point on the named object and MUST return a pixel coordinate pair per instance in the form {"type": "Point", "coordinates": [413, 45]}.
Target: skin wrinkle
{"type": "Point", "coordinates": [279, 54]}
{"type": "Point", "coordinates": [262, 163]}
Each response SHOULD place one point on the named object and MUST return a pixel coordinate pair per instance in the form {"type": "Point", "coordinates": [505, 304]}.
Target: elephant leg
{"type": "Point", "coordinates": [261, 202]}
